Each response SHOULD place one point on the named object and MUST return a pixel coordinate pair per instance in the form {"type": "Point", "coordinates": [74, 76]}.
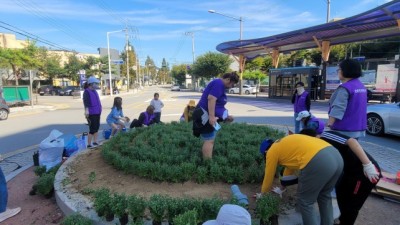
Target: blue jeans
{"type": "Point", "coordinates": [157, 117]}
{"type": "Point", "coordinates": [297, 125]}
{"type": "Point", "coordinates": [3, 192]}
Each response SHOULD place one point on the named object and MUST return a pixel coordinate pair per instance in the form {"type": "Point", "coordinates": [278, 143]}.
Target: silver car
{"type": "Point", "coordinates": [247, 89]}
{"type": "Point", "coordinates": [383, 119]}
{"type": "Point", "coordinates": [4, 110]}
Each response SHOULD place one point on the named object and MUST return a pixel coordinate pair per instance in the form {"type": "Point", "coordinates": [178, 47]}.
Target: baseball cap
{"type": "Point", "coordinates": [92, 80]}
{"type": "Point", "coordinates": [231, 215]}
{"type": "Point", "coordinates": [192, 103]}
{"type": "Point", "coordinates": [265, 145]}
{"type": "Point", "coordinates": [303, 114]}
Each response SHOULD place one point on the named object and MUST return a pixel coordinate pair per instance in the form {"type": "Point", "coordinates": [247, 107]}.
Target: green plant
{"type": "Point", "coordinates": [92, 177]}
{"type": "Point", "coordinates": [66, 181]}
{"type": "Point", "coordinates": [209, 208]}
{"type": "Point", "coordinates": [119, 204]}
{"type": "Point", "coordinates": [158, 207]}
{"type": "Point", "coordinates": [39, 170]}
{"type": "Point", "coordinates": [187, 218]}
{"type": "Point", "coordinates": [103, 202]}
{"type": "Point", "coordinates": [76, 219]}
{"type": "Point", "coordinates": [267, 206]}
{"type": "Point", "coordinates": [45, 184]}
{"type": "Point", "coordinates": [136, 206]}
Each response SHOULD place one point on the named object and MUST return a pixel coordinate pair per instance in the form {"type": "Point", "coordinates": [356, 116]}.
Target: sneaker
{"type": "Point", "coordinates": [90, 146]}
{"type": "Point", "coordinates": [95, 144]}
{"type": "Point", "coordinates": [9, 213]}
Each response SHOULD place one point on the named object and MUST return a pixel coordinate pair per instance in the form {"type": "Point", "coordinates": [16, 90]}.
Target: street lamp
{"type": "Point", "coordinates": [241, 58]}
{"type": "Point", "coordinates": [235, 18]}
{"type": "Point", "coordinates": [109, 57]}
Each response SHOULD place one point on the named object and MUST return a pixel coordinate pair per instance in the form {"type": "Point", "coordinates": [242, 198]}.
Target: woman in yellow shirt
{"type": "Point", "coordinates": [320, 166]}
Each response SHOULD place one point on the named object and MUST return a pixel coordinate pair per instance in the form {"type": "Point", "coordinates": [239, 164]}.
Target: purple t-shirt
{"type": "Point", "coordinates": [215, 88]}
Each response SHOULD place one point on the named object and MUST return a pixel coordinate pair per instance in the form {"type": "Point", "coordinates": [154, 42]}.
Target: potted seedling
{"type": "Point", "coordinates": [136, 207]}
{"type": "Point", "coordinates": [103, 203]}
{"type": "Point", "coordinates": [157, 206]}
{"type": "Point", "coordinates": [267, 209]}
{"type": "Point", "coordinates": [119, 207]}
{"type": "Point", "coordinates": [76, 219]}
{"type": "Point", "coordinates": [189, 217]}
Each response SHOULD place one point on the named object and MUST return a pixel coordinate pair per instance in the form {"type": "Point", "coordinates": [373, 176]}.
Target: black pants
{"type": "Point", "coordinates": [352, 190]}
{"type": "Point", "coordinates": [94, 123]}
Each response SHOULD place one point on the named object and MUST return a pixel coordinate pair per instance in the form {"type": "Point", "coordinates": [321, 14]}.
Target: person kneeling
{"type": "Point", "coordinates": [145, 118]}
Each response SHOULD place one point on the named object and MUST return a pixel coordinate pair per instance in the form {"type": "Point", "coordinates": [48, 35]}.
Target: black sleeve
{"type": "Point", "coordinates": [293, 98]}
{"type": "Point", "coordinates": [141, 119]}
{"type": "Point", "coordinates": [86, 99]}
{"type": "Point", "coordinates": [308, 102]}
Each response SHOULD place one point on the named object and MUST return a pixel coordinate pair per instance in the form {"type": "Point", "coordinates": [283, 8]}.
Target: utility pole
{"type": "Point", "coordinates": [127, 56]}
{"type": "Point", "coordinates": [192, 75]}
{"type": "Point", "coordinates": [328, 11]}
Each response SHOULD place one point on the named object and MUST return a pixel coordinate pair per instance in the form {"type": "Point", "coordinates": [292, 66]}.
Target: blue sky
{"type": "Point", "coordinates": [157, 27]}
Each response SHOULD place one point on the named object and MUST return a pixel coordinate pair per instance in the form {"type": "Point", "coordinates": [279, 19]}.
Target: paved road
{"type": "Point", "coordinates": [25, 129]}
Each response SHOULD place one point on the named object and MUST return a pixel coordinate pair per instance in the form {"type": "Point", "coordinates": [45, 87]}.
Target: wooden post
{"type": "Point", "coordinates": [275, 58]}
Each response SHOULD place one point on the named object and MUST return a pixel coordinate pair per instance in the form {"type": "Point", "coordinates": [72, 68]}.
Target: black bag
{"type": "Point", "coordinates": [198, 126]}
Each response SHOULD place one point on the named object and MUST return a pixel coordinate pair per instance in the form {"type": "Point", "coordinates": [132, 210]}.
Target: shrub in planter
{"type": "Point", "coordinates": [189, 217]}
{"type": "Point", "coordinates": [158, 207]}
{"type": "Point", "coordinates": [76, 219]}
{"type": "Point", "coordinates": [209, 208]}
{"type": "Point", "coordinates": [40, 170]}
{"type": "Point", "coordinates": [136, 207]}
{"type": "Point", "coordinates": [119, 207]}
{"type": "Point", "coordinates": [267, 208]}
{"type": "Point", "coordinates": [103, 203]}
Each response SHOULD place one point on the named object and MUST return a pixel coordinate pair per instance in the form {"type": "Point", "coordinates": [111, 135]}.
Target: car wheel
{"type": "Point", "coordinates": [375, 124]}
{"type": "Point", "coordinates": [247, 92]}
{"type": "Point", "coordinates": [232, 92]}
{"type": "Point", "coordinates": [3, 114]}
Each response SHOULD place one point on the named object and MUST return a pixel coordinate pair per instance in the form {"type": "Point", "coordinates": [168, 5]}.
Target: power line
{"type": "Point", "coordinates": [37, 11]}
{"type": "Point", "coordinates": [33, 36]}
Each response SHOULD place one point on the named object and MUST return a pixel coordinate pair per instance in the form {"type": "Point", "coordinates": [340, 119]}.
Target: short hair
{"type": "Point", "coordinates": [299, 83]}
{"type": "Point", "coordinates": [350, 68]}
{"type": "Point", "coordinates": [156, 94]}
{"type": "Point", "coordinates": [309, 132]}
{"type": "Point", "coordinates": [233, 77]}
{"type": "Point", "coordinates": [150, 107]}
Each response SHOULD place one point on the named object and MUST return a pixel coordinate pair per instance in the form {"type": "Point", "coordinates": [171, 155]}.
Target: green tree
{"type": "Point", "coordinates": [91, 65]}
{"type": "Point", "coordinates": [151, 69]}
{"type": "Point", "coordinates": [21, 59]}
{"type": "Point", "coordinates": [178, 73]}
{"type": "Point", "coordinates": [255, 64]}
{"type": "Point", "coordinates": [51, 67]}
{"type": "Point", "coordinates": [72, 67]}
{"type": "Point", "coordinates": [132, 60]}
{"type": "Point", "coordinates": [211, 65]}
{"type": "Point", "coordinates": [255, 75]}
{"type": "Point", "coordinates": [163, 73]}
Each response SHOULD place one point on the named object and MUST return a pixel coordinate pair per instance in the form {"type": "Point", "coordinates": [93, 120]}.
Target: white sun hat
{"type": "Point", "coordinates": [303, 114]}
{"type": "Point", "coordinates": [231, 215]}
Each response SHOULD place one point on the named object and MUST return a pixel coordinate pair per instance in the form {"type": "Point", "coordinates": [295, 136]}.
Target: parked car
{"type": "Point", "coordinates": [175, 88]}
{"type": "Point", "coordinates": [48, 90]}
{"type": "Point", "coordinates": [68, 90]}
{"type": "Point", "coordinates": [247, 89]}
{"type": "Point", "coordinates": [383, 119]}
{"type": "Point", "coordinates": [4, 110]}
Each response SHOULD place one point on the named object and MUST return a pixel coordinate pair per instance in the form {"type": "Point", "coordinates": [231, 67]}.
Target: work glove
{"type": "Point", "coordinates": [257, 196]}
{"type": "Point", "coordinates": [278, 191]}
{"type": "Point", "coordinates": [371, 172]}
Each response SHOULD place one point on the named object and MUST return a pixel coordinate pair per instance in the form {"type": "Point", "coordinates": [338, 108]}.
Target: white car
{"type": "Point", "coordinates": [175, 88]}
{"type": "Point", "coordinates": [247, 89]}
{"type": "Point", "coordinates": [383, 119]}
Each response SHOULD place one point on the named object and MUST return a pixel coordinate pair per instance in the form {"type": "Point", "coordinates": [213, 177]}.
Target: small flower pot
{"type": "Point", "coordinates": [124, 219]}
{"type": "Point", "coordinates": [109, 217]}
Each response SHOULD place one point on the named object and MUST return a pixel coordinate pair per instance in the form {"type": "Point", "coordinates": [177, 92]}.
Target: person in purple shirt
{"type": "Point", "coordinates": [301, 101]}
{"type": "Point", "coordinates": [92, 104]}
{"type": "Point", "coordinates": [310, 121]}
{"type": "Point", "coordinates": [211, 109]}
{"type": "Point", "coordinates": [348, 104]}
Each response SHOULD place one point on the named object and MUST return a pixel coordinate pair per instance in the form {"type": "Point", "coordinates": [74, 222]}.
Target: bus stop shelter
{"type": "Point", "coordinates": [380, 22]}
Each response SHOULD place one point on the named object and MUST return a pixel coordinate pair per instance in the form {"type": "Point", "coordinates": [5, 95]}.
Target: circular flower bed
{"type": "Point", "coordinates": [170, 152]}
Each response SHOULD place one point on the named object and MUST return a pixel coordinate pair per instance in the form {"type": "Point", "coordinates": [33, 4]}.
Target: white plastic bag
{"type": "Point", "coordinates": [51, 150]}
